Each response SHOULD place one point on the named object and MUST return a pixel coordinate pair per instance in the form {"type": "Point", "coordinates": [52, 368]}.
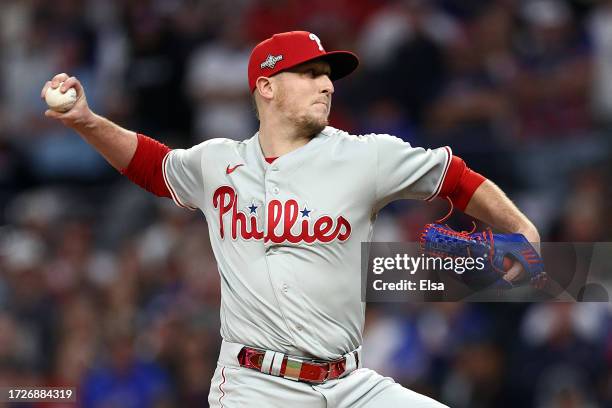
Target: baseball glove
{"type": "Point", "coordinates": [496, 250]}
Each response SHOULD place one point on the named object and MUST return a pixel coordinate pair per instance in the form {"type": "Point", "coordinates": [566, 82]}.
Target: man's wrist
{"type": "Point", "coordinates": [87, 121]}
{"type": "Point", "coordinates": [531, 233]}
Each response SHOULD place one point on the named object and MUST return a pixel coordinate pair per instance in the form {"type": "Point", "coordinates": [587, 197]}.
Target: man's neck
{"type": "Point", "coordinates": [277, 141]}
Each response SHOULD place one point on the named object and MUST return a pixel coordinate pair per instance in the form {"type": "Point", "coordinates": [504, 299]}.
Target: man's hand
{"type": "Point", "coordinates": [516, 271]}
{"type": "Point", "coordinates": [494, 249]}
{"type": "Point", "coordinates": [80, 113]}
{"type": "Point", "coordinates": [490, 204]}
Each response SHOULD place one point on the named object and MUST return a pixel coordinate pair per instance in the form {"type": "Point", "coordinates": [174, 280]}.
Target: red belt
{"type": "Point", "coordinates": [296, 368]}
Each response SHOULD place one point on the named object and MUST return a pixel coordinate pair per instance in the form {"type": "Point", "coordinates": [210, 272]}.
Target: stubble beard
{"type": "Point", "coordinates": [305, 122]}
{"type": "Point", "coordinates": [310, 125]}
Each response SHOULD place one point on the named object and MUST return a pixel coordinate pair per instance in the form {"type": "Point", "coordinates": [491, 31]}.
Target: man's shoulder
{"type": "Point", "coordinates": [221, 144]}
{"type": "Point", "coordinates": [344, 137]}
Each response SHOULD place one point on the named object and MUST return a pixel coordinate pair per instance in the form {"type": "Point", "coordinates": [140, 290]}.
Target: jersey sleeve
{"type": "Point", "coordinates": [183, 175]}
{"type": "Point", "coordinates": [407, 172]}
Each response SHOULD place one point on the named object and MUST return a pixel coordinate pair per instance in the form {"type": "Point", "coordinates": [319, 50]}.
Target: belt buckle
{"type": "Point", "coordinates": [293, 368]}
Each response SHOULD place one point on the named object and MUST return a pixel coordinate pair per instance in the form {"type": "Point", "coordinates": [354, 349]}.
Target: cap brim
{"type": "Point", "coordinates": [341, 63]}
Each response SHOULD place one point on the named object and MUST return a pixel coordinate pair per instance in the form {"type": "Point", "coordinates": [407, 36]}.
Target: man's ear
{"type": "Point", "coordinates": [264, 87]}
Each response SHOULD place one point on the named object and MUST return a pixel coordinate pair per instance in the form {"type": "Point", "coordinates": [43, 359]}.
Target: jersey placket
{"type": "Point", "coordinates": [276, 194]}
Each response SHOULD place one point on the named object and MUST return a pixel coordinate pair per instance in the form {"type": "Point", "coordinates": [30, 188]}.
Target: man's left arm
{"type": "Point", "coordinates": [482, 199]}
{"type": "Point", "coordinates": [490, 205]}
{"type": "Point", "coordinates": [479, 197]}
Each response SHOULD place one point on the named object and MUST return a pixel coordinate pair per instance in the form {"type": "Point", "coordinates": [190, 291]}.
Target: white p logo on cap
{"type": "Point", "coordinates": [313, 37]}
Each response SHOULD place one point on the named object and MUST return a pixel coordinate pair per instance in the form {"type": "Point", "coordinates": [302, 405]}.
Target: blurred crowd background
{"type": "Point", "coordinates": [108, 289]}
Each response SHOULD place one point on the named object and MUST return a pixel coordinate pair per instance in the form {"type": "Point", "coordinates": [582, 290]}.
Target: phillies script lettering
{"type": "Point", "coordinates": [324, 229]}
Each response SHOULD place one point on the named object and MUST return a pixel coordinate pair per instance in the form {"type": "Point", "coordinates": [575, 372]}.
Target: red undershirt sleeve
{"type": "Point", "coordinates": [460, 183]}
{"type": "Point", "coordinates": [145, 168]}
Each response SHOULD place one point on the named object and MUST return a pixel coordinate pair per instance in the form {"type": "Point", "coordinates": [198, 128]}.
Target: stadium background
{"type": "Point", "coordinates": [109, 289]}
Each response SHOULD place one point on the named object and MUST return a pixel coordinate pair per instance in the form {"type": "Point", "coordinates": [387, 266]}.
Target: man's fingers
{"type": "Point", "coordinates": [514, 273]}
{"type": "Point", "coordinates": [44, 90]}
{"type": "Point", "coordinates": [59, 78]}
{"type": "Point", "coordinates": [54, 83]}
{"type": "Point", "coordinates": [540, 281]}
{"type": "Point", "coordinates": [72, 82]}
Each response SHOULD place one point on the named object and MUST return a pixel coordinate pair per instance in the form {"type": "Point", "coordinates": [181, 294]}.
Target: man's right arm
{"type": "Point", "coordinates": [137, 157]}
{"type": "Point", "coordinates": [116, 144]}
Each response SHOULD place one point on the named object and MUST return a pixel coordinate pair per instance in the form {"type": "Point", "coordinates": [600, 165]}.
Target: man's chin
{"type": "Point", "coordinates": [313, 127]}
{"type": "Point", "coordinates": [318, 128]}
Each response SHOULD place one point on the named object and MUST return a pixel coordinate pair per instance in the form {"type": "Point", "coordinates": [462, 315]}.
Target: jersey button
{"type": "Point", "coordinates": [299, 327]}
{"type": "Point", "coordinates": [285, 288]}
{"type": "Point", "coordinates": [275, 190]}
{"type": "Point", "coordinates": [274, 168]}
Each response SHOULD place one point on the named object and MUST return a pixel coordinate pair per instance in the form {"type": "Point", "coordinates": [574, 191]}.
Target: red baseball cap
{"type": "Point", "coordinates": [286, 50]}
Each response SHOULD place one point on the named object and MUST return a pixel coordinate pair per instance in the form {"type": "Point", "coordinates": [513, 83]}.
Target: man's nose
{"type": "Point", "coordinates": [327, 85]}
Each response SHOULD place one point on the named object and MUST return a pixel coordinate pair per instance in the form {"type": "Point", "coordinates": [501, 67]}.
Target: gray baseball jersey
{"type": "Point", "coordinates": [287, 235]}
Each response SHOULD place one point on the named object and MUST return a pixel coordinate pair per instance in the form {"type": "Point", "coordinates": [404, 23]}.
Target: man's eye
{"type": "Point", "coordinates": [314, 73]}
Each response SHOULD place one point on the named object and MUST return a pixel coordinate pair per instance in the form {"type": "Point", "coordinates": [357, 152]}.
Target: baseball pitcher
{"type": "Point", "coordinates": [287, 210]}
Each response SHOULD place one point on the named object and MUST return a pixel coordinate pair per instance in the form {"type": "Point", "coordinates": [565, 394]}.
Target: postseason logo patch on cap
{"type": "Point", "coordinates": [271, 61]}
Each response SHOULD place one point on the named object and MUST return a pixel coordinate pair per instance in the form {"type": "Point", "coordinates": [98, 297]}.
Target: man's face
{"type": "Point", "coordinates": [304, 95]}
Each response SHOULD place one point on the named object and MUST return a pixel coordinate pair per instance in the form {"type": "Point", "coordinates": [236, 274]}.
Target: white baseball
{"type": "Point", "coordinates": [58, 101]}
